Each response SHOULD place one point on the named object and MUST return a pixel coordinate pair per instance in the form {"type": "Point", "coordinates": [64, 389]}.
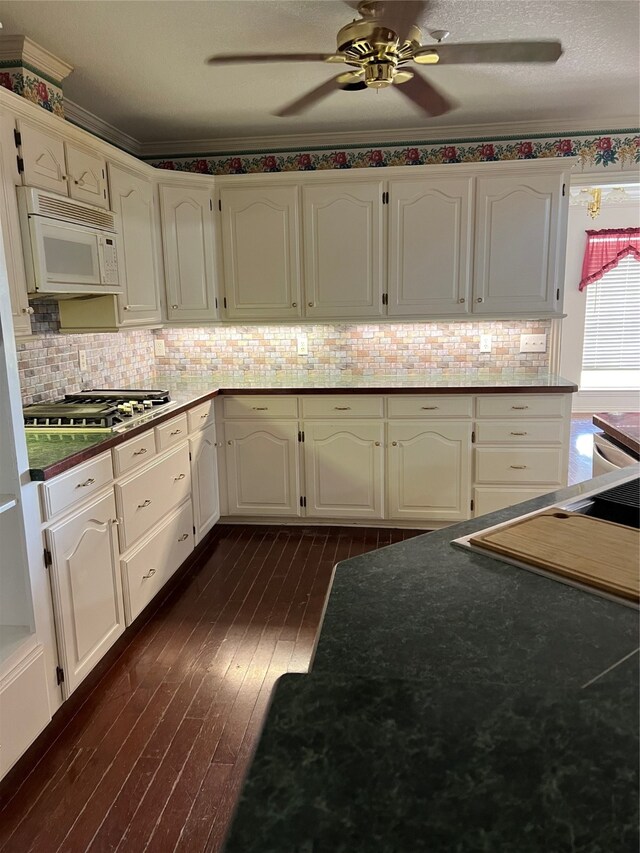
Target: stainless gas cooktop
{"type": "Point", "coordinates": [97, 410]}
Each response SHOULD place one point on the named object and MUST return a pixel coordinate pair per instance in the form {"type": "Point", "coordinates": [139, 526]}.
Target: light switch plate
{"type": "Point", "coordinates": [485, 343]}
{"type": "Point", "coordinates": [159, 347]}
{"type": "Point", "coordinates": [533, 343]}
{"type": "Point", "coordinates": [82, 360]}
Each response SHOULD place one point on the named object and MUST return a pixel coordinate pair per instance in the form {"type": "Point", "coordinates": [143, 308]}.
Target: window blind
{"type": "Point", "coordinates": [612, 323]}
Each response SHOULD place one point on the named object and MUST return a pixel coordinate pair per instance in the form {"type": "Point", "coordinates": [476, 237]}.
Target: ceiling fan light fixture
{"type": "Point", "coordinates": [379, 75]}
{"type": "Point", "coordinates": [430, 58]}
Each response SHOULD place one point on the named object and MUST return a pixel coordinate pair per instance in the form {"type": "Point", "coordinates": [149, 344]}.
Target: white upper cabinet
{"type": "Point", "coordinates": [429, 246]}
{"type": "Point", "coordinates": [519, 244]}
{"type": "Point", "coordinates": [132, 199]}
{"type": "Point", "coordinates": [189, 247]}
{"type": "Point", "coordinates": [12, 244]}
{"type": "Point", "coordinates": [42, 154]}
{"type": "Point", "coordinates": [343, 249]}
{"type": "Point", "coordinates": [261, 252]}
{"type": "Point", "coordinates": [87, 172]}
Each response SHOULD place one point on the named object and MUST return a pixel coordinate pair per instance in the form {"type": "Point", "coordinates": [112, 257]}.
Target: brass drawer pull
{"type": "Point", "coordinates": [140, 452]}
{"type": "Point", "coordinates": [179, 477]}
{"type": "Point", "coordinates": [183, 537]}
{"type": "Point", "coordinates": [149, 574]}
{"type": "Point", "coordinates": [86, 483]}
{"type": "Point", "coordinates": [175, 432]}
{"type": "Point", "coordinates": [519, 467]}
{"type": "Point", "coordinates": [520, 407]}
{"type": "Point", "coordinates": [428, 408]}
{"type": "Point", "coordinates": [260, 408]}
{"type": "Point", "coordinates": [206, 415]}
{"type": "Point", "coordinates": [342, 408]}
{"type": "Point", "coordinates": [518, 433]}
{"type": "Point", "coordinates": [145, 504]}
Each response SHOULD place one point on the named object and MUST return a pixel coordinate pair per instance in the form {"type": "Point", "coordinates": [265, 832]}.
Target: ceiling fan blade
{"type": "Point", "coordinates": [310, 98]}
{"type": "Point", "coordinates": [426, 96]}
{"type": "Point", "coordinates": [230, 58]}
{"type": "Point", "coordinates": [492, 51]}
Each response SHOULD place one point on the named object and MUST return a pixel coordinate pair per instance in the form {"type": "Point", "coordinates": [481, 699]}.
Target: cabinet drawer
{"type": "Point", "coordinates": [147, 567]}
{"type": "Point", "coordinates": [173, 432]}
{"type": "Point", "coordinates": [77, 484]}
{"type": "Point", "coordinates": [145, 497]}
{"type": "Point", "coordinates": [342, 406]}
{"type": "Point", "coordinates": [253, 406]}
{"type": "Point", "coordinates": [521, 406]}
{"type": "Point", "coordinates": [201, 416]}
{"type": "Point", "coordinates": [517, 432]}
{"type": "Point", "coordinates": [519, 465]}
{"type": "Point", "coordinates": [133, 453]}
{"type": "Point", "coordinates": [490, 498]}
{"type": "Point", "coordinates": [430, 406]}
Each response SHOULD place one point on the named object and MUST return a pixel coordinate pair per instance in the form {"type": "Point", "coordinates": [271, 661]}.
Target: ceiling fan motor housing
{"type": "Point", "coordinates": [374, 47]}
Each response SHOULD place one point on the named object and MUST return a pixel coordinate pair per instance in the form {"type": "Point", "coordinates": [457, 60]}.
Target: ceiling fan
{"type": "Point", "coordinates": [380, 44]}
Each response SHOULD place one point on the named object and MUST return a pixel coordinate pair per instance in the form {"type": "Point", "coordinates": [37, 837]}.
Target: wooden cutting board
{"type": "Point", "coordinates": [596, 553]}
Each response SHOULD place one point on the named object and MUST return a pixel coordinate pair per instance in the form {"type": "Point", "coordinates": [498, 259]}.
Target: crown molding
{"type": "Point", "coordinates": [23, 49]}
{"type": "Point", "coordinates": [449, 133]}
{"type": "Point", "coordinates": [98, 127]}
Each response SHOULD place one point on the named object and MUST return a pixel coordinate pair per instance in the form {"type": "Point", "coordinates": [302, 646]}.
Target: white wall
{"type": "Point", "coordinates": [611, 216]}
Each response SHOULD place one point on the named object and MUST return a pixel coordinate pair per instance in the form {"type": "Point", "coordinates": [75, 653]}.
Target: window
{"type": "Point", "coordinates": [611, 353]}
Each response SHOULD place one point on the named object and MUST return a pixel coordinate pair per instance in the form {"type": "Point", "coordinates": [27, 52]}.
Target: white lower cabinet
{"type": "Point", "coordinates": [344, 468]}
{"type": "Point", "coordinates": [204, 480]}
{"type": "Point", "coordinates": [263, 471]}
{"type": "Point", "coordinates": [86, 587]}
{"type": "Point", "coordinates": [149, 565]}
{"type": "Point", "coordinates": [429, 470]}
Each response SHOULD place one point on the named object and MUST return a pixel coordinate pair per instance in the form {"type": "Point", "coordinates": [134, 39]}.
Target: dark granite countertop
{"type": "Point", "coordinates": [52, 453]}
{"type": "Point", "coordinates": [456, 703]}
{"type": "Point", "coordinates": [624, 427]}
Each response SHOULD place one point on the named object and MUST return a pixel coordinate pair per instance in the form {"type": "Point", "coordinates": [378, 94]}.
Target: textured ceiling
{"type": "Point", "coordinates": [139, 64]}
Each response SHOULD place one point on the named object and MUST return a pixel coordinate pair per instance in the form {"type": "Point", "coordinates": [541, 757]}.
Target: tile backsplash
{"type": "Point", "coordinates": [361, 349]}
{"type": "Point", "coordinates": [49, 362]}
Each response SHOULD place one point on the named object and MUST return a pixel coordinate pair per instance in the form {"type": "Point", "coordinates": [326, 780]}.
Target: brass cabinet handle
{"type": "Point", "coordinates": [183, 537]}
{"type": "Point", "coordinates": [175, 432]}
{"type": "Point", "coordinates": [149, 574]}
{"type": "Point", "coordinates": [140, 452]}
{"type": "Point", "coordinates": [520, 408]}
{"type": "Point", "coordinates": [519, 467]}
{"type": "Point", "coordinates": [429, 408]}
{"type": "Point", "coordinates": [206, 415]}
{"type": "Point", "coordinates": [342, 408]}
{"type": "Point", "coordinates": [28, 310]}
{"type": "Point", "coordinates": [260, 408]}
{"type": "Point", "coordinates": [518, 433]}
{"type": "Point", "coordinates": [179, 477]}
{"type": "Point", "coordinates": [145, 504]}
{"type": "Point", "coordinates": [86, 483]}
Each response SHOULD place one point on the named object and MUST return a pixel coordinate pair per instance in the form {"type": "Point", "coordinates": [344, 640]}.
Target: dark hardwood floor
{"type": "Point", "coordinates": [154, 758]}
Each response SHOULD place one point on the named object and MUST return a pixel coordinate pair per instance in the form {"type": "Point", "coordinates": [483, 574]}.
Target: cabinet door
{"type": "Point", "coordinates": [86, 586]}
{"type": "Point", "coordinates": [262, 468]}
{"type": "Point", "coordinates": [87, 176]}
{"type": "Point", "coordinates": [132, 199]}
{"type": "Point", "coordinates": [187, 236]}
{"type": "Point", "coordinates": [429, 468]}
{"type": "Point", "coordinates": [261, 252]}
{"type": "Point", "coordinates": [429, 246]}
{"type": "Point", "coordinates": [204, 480]}
{"type": "Point", "coordinates": [43, 155]}
{"type": "Point", "coordinates": [343, 246]}
{"type": "Point", "coordinates": [9, 177]}
{"type": "Point", "coordinates": [344, 467]}
{"type": "Point", "coordinates": [516, 244]}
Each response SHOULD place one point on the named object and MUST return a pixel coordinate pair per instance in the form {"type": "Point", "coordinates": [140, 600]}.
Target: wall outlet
{"type": "Point", "coordinates": [533, 343]}
{"type": "Point", "coordinates": [303, 345]}
{"type": "Point", "coordinates": [485, 343]}
{"type": "Point", "coordinates": [82, 360]}
{"type": "Point", "coordinates": [159, 347]}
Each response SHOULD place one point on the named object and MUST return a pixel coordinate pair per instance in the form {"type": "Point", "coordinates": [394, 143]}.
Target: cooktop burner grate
{"type": "Point", "coordinates": [95, 410]}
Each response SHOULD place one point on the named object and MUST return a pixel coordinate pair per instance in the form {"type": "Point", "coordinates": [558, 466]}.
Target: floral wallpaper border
{"type": "Point", "coordinates": [31, 84]}
{"type": "Point", "coordinates": [599, 149]}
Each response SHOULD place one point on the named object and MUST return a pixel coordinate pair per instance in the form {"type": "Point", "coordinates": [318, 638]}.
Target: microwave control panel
{"type": "Point", "coordinates": [109, 261]}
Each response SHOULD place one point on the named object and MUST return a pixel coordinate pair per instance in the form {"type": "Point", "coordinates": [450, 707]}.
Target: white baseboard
{"type": "Point", "coordinates": [605, 401]}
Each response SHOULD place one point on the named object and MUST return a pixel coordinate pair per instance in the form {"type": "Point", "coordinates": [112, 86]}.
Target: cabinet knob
{"type": "Point", "coordinates": [461, 300]}
{"type": "Point", "coordinates": [174, 306]}
{"type": "Point", "coordinates": [149, 574]}
{"type": "Point", "coordinates": [311, 304]}
{"type": "Point", "coordinates": [125, 307]}
{"type": "Point", "coordinates": [377, 444]}
{"type": "Point", "coordinates": [183, 537]}
{"type": "Point", "coordinates": [229, 442]}
{"type": "Point", "coordinates": [479, 299]}
{"type": "Point", "coordinates": [294, 304]}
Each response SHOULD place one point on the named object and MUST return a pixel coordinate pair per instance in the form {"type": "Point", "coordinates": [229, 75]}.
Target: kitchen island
{"type": "Point", "coordinates": [622, 427]}
{"type": "Point", "coordinates": [455, 703]}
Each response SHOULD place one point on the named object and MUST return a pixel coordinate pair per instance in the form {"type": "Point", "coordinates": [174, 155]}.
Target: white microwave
{"type": "Point", "coordinates": [69, 247]}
